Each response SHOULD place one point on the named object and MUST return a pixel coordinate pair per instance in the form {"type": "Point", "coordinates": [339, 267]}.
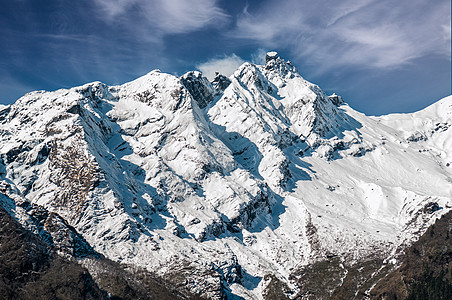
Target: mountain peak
{"type": "Point", "coordinates": [275, 66]}
{"type": "Point", "coordinates": [271, 55]}
{"type": "Point", "coordinates": [199, 87]}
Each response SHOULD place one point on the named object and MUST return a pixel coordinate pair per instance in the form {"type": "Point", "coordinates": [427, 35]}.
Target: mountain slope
{"type": "Point", "coordinates": [241, 186]}
{"type": "Point", "coordinates": [425, 271]}
{"type": "Point", "coordinates": [30, 270]}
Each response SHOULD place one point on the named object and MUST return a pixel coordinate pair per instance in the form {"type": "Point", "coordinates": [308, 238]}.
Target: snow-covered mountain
{"type": "Point", "coordinates": [240, 187]}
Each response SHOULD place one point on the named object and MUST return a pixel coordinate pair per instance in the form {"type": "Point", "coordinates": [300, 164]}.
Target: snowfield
{"type": "Point", "coordinates": [227, 186]}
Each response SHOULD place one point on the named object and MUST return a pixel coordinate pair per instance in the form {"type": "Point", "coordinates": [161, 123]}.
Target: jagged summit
{"type": "Point", "coordinates": [221, 82]}
{"type": "Point", "coordinates": [276, 67]}
{"type": "Point", "coordinates": [199, 87]}
{"type": "Point", "coordinates": [239, 186]}
{"type": "Point", "coordinates": [272, 55]}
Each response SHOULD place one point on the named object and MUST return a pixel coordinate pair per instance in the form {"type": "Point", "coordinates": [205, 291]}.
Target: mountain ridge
{"type": "Point", "coordinates": [231, 186]}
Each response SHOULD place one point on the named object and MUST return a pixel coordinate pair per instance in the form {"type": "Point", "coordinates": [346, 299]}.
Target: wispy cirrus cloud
{"type": "Point", "coordinates": [109, 40]}
{"type": "Point", "coordinates": [114, 8]}
{"type": "Point", "coordinates": [366, 33]}
{"type": "Point", "coordinates": [163, 16]}
{"type": "Point", "coordinates": [447, 33]}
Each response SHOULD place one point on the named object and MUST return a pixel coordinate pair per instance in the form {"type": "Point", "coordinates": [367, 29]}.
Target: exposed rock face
{"type": "Point", "coordinates": [240, 186]}
{"type": "Point", "coordinates": [273, 55]}
{"type": "Point", "coordinates": [336, 99]}
{"type": "Point", "coordinates": [220, 82]}
{"type": "Point", "coordinates": [199, 88]}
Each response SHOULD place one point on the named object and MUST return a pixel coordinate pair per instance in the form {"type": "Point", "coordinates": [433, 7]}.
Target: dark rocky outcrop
{"type": "Point", "coordinates": [199, 87]}
{"type": "Point", "coordinates": [426, 268]}
{"type": "Point", "coordinates": [220, 82]}
{"type": "Point", "coordinates": [29, 268]}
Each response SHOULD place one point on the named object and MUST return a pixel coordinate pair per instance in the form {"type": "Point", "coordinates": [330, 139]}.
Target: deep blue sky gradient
{"type": "Point", "coordinates": [381, 56]}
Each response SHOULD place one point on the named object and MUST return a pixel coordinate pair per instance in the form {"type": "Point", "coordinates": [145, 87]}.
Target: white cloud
{"type": "Point", "coordinates": [258, 57]}
{"type": "Point", "coordinates": [113, 8]}
{"type": "Point", "coordinates": [179, 16]}
{"type": "Point", "coordinates": [160, 17]}
{"type": "Point", "coordinates": [382, 34]}
{"type": "Point", "coordinates": [447, 38]}
{"type": "Point", "coordinates": [225, 65]}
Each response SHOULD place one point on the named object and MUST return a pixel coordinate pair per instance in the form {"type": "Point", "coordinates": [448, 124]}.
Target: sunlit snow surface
{"type": "Point", "coordinates": [271, 175]}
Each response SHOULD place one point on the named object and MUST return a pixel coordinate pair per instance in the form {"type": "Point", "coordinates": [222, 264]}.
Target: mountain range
{"type": "Point", "coordinates": [256, 186]}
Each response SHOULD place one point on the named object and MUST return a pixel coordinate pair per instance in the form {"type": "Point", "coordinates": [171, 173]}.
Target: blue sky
{"type": "Point", "coordinates": [382, 56]}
